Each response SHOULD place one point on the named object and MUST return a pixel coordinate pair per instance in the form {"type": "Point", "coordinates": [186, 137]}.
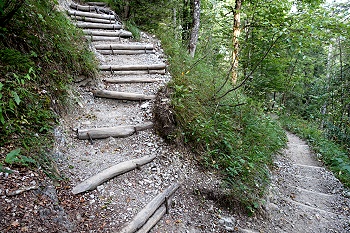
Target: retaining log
{"type": "Point", "coordinates": [99, 26]}
{"type": "Point", "coordinates": [124, 52]}
{"type": "Point", "coordinates": [120, 33]}
{"type": "Point", "coordinates": [141, 218]}
{"type": "Point", "coordinates": [89, 8]}
{"type": "Point", "coordinates": [118, 169]}
{"type": "Point", "coordinates": [117, 132]}
{"type": "Point", "coordinates": [97, 3]}
{"type": "Point", "coordinates": [122, 95]}
{"type": "Point", "coordinates": [131, 80]}
{"type": "Point", "coordinates": [137, 72]}
{"type": "Point", "coordinates": [91, 15]}
{"type": "Point", "coordinates": [132, 67]}
{"type": "Point", "coordinates": [152, 221]}
{"type": "Point", "coordinates": [93, 20]}
{"type": "Point", "coordinates": [124, 46]}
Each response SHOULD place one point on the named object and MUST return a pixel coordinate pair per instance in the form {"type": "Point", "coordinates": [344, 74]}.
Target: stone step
{"type": "Point", "coordinates": [98, 26]}
{"type": "Point", "coordinates": [320, 201]}
{"type": "Point", "coordinates": [113, 34]}
{"type": "Point", "coordinates": [131, 80]}
{"type": "Point", "coordinates": [116, 132]}
{"type": "Point", "coordinates": [122, 95]}
{"type": "Point", "coordinates": [93, 20]}
{"type": "Point", "coordinates": [90, 15]}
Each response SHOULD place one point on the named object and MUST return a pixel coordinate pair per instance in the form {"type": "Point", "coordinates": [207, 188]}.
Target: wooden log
{"type": "Point", "coordinates": [119, 33]}
{"type": "Point", "coordinates": [124, 46]}
{"type": "Point", "coordinates": [83, 8]}
{"type": "Point", "coordinates": [137, 72]}
{"type": "Point", "coordinates": [124, 52]}
{"type": "Point", "coordinates": [99, 26]}
{"type": "Point", "coordinates": [131, 80]}
{"type": "Point", "coordinates": [106, 38]}
{"type": "Point", "coordinates": [122, 95]}
{"type": "Point", "coordinates": [93, 20]}
{"type": "Point", "coordinates": [94, 181]}
{"type": "Point", "coordinates": [152, 221]}
{"type": "Point", "coordinates": [141, 218]}
{"type": "Point", "coordinates": [117, 132]}
{"type": "Point", "coordinates": [132, 67]}
{"type": "Point", "coordinates": [96, 3]}
{"type": "Point", "coordinates": [91, 15]}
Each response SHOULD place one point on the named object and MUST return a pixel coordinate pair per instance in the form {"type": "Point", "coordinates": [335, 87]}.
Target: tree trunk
{"type": "Point", "coordinates": [195, 27]}
{"type": "Point", "coordinates": [236, 34]}
{"type": "Point", "coordinates": [186, 21]}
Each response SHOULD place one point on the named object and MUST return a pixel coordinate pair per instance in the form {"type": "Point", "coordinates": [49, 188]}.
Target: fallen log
{"type": "Point", "coordinates": [120, 33]}
{"type": "Point", "coordinates": [124, 52]}
{"type": "Point", "coordinates": [124, 46]}
{"type": "Point", "coordinates": [93, 20]}
{"type": "Point", "coordinates": [137, 72]}
{"type": "Point", "coordinates": [131, 80]}
{"type": "Point", "coordinates": [117, 132]}
{"type": "Point", "coordinates": [141, 218]}
{"type": "Point", "coordinates": [99, 26]}
{"type": "Point", "coordinates": [94, 181]}
{"type": "Point", "coordinates": [132, 67]}
{"type": "Point", "coordinates": [152, 221]}
{"type": "Point", "coordinates": [122, 95]}
{"type": "Point", "coordinates": [91, 15]}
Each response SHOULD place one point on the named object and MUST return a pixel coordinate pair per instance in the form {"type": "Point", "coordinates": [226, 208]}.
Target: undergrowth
{"type": "Point", "coordinates": [332, 154]}
{"type": "Point", "coordinates": [40, 54]}
{"type": "Point", "coordinates": [231, 134]}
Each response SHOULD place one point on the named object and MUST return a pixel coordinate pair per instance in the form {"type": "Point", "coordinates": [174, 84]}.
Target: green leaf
{"type": "Point", "coordinates": [1, 85]}
{"type": "Point", "coordinates": [16, 97]}
{"type": "Point", "coordinates": [12, 157]}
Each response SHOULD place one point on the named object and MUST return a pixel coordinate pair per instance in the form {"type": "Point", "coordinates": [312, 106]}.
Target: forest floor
{"type": "Point", "coordinates": [303, 196]}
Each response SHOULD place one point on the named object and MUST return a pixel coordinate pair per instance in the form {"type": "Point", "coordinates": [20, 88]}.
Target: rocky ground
{"type": "Point", "coordinates": [304, 196]}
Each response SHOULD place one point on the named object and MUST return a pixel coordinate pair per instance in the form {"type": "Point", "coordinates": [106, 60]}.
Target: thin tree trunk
{"type": "Point", "coordinates": [236, 34]}
{"type": "Point", "coordinates": [195, 27]}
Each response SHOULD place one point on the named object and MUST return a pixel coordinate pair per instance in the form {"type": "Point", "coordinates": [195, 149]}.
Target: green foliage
{"type": "Point", "coordinates": [130, 26]}
{"type": "Point", "coordinates": [232, 134]}
{"type": "Point", "coordinates": [40, 53]}
{"type": "Point", "coordinates": [333, 155]}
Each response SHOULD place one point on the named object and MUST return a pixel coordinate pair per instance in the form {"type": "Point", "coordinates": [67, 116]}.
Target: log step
{"type": "Point", "coordinates": [124, 52]}
{"type": "Point", "coordinates": [117, 132]}
{"type": "Point", "coordinates": [93, 20]}
{"type": "Point", "coordinates": [122, 95]}
{"type": "Point", "coordinates": [161, 66]}
{"type": "Point", "coordinates": [125, 46]}
{"type": "Point", "coordinates": [89, 8]}
{"type": "Point", "coordinates": [148, 211]}
{"type": "Point", "coordinates": [103, 4]}
{"type": "Point", "coordinates": [104, 38]}
{"type": "Point", "coordinates": [138, 72]}
{"type": "Point", "coordinates": [118, 169]}
{"type": "Point", "coordinates": [131, 80]}
{"type": "Point", "coordinates": [121, 33]}
{"type": "Point", "coordinates": [91, 15]}
{"type": "Point", "coordinates": [99, 26]}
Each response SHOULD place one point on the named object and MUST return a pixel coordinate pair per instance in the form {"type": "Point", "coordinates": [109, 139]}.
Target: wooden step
{"type": "Point", "coordinates": [93, 20]}
{"type": "Point", "coordinates": [161, 66]}
{"type": "Point", "coordinates": [99, 26]}
{"type": "Point", "coordinates": [136, 72]}
{"type": "Point", "coordinates": [124, 52]}
{"type": "Point", "coordinates": [102, 4]}
{"type": "Point", "coordinates": [131, 80]}
{"type": "Point", "coordinates": [90, 15]}
{"type": "Point", "coordinates": [117, 132]}
{"type": "Point", "coordinates": [123, 95]}
{"type": "Point", "coordinates": [114, 34]}
{"type": "Point", "coordinates": [125, 46]}
{"type": "Point", "coordinates": [89, 8]}
{"type": "Point", "coordinates": [107, 174]}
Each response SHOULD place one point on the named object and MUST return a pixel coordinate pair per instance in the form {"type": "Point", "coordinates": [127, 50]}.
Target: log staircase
{"type": "Point", "coordinates": [113, 44]}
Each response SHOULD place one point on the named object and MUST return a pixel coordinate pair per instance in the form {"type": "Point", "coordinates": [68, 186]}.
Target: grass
{"type": "Point", "coordinates": [332, 154]}
{"type": "Point", "coordinates": [41, 52]}
{"type": "Point", "coordinates": [231, 135]}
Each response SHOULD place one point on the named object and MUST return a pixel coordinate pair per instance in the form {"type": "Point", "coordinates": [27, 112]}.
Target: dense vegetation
{"type": "Point", "coordinates": [293, 64]}
{"type": "Point", "coordinates": [40, 54]}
